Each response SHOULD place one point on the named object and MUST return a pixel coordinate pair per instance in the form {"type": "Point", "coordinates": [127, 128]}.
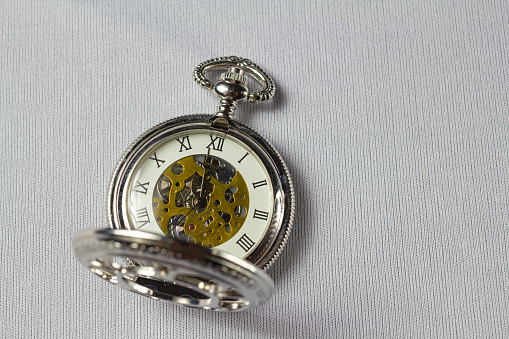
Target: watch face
{"type": "Point", "coordinates": [204, 186]}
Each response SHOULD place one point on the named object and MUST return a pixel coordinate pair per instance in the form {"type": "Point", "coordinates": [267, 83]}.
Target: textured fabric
{"type": "Point", "coordinates": [393, 118]}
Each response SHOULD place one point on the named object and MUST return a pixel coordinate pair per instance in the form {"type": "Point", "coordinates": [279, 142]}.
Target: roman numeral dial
{"type": "Point", "coordinates": [225, 180]}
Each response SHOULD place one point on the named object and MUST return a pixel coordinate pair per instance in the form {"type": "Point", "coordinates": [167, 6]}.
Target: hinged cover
{"type": "Point", "coordinates": [169, 269]}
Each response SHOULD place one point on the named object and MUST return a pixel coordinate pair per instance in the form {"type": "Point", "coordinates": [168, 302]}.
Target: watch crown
{"type": "Point", "coordinates": [234, 74]}
{"type": "Point", "coordinates": [231, 89]}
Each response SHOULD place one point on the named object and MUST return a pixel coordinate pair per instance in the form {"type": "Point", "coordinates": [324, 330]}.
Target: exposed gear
{"type": "Point", "coordinates": [208, 218]}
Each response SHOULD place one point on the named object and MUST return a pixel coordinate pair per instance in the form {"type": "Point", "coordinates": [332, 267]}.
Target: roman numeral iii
{"type": "Point", "coordinates": [260, 215]}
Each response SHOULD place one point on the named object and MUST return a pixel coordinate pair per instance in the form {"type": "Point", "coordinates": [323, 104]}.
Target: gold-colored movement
{"type": "Point", "coordinates": [208, 226]}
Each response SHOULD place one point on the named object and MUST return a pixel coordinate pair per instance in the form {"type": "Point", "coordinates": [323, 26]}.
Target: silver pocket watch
{"type": "Point", "coordinates": [198, 206]}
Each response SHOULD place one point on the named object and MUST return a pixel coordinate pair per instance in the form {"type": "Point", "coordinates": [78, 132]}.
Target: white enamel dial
{"type": "Point", "coordinates": [202, 186]}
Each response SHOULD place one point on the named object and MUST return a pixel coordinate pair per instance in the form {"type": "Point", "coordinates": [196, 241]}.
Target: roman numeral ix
{"type": "Point", "coordinates": [245, 242]}
{"type": "Point", "coordinates": [216, 143]}
{"type": "Point", "coordinates": [185, 145]}
{"type": "Point", "coordinates": [141, 188]}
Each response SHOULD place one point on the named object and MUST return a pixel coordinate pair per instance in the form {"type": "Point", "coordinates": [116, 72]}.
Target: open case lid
{"type": "Point", "coordinates": [168, 269]}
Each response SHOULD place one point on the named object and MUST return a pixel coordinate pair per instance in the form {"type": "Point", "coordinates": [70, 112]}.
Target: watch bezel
{"type": "Point", "coordinates": [269, 248]}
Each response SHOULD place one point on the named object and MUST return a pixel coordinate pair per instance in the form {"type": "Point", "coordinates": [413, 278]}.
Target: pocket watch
{"type": "Point", "coordinates": [198, 206]}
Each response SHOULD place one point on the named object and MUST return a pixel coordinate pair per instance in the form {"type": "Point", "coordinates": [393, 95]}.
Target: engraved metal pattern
{"type": "Point", "coordinates": [178, 214]}
{"type": "Point", "coordinates": [247, 66]}
{"type": "Point", "coordinates": [171, 270]}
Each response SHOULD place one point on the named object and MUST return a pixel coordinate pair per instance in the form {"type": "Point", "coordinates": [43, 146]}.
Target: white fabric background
{"type": "Point", "coordinates": [392, 117]}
